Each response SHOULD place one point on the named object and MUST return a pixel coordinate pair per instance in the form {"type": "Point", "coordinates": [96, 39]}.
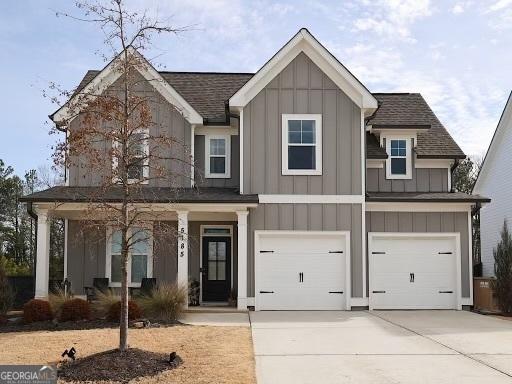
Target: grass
{"type": "Point", "coordinates": [210, 354]}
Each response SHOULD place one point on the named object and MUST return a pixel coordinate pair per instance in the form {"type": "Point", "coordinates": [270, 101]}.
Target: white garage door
{"type": "Point", "coordinates": [302, 270]}
{"type": "Point", "coordinates": [413, 271]}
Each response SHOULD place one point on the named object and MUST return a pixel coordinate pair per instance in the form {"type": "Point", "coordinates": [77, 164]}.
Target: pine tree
{"type": "Point", "coordinates": [503, 270]}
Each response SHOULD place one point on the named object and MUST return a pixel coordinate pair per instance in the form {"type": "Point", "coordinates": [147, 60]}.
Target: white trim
{"type": "Point", "coordinates": [211, 130]}
{"type": "Point", "coordinates": [303, 41]}
{"type": "Point", "coordinates": [42, 267]}
{"type": "Point", "coordinates": [417, 207]}
{"type": "Point", "coordinates": [470, 256]}
{"type": "Point", "coordinates": [241, 145]}
{"type": "Point", "coordinates": [192, 155]}
{"type": "Point", "coordinates": [466, 301]}
{"type": "Point", "coordinates": [363, 204]}
{"type": "Point", "coordinates": [348, 256]}
{"type": "Point", "coordinates": [375, 163]}
{"type": "Point", "coordinates": [201, 235]}
{"type": "Point", "coordinates": [109, 75]}
{"type": "Point", "coordinates": [66, 233]}
{"type": "Point", "coordinates": [385, 132]}
{"type": "Point", "coordinates": [432, 163]}
{"type": "Point", "coordinates": [455, 235]}
{"type": "Point", "coordinates": [317, 118]}
{"type": "Point", "coordinates": [251, 301]}
{"type": "Point", "coordinates": [227, 156]}
{"type": "Point", "coordinates": [108, 258]}
{"type": "Point", "coordinates": [242, 301]}
{"type": "Point", "coordinates": [408, 157]}
{"type": "Point", "coordinates": [182, 250]}
{"type": "Point", "coordinates": [311, 199]}
{"type": "Point", "coordinates": [359, 301]}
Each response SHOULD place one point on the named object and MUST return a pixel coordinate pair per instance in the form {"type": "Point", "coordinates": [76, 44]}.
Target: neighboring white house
{"type": "Point", "coordinates": [495, 181]}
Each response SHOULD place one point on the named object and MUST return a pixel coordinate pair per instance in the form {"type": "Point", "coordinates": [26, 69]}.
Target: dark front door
{"type": "Point", "coordinates": [216, 270]}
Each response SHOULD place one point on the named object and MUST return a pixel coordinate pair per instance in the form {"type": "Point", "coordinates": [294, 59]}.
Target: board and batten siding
{"type": "Point", "coordinates": [426, 222]}
{"type": "Point", "coordinates": [309, 217]}
{"type": "Point", "coordinates": [168, 122]}
{"type": "Point", "coordinates": [200, 165]}
{"type": "Point", "coordinates": [302, 88]}
{"type": "Point", "coordinates": [422, 180]}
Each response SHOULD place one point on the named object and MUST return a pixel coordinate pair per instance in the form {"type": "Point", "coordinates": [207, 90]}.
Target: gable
{"type": "Point", "coordinates": [108, 75]}
{"type": "Point", "coordinates": [304, 42]}
{"type": "Point", "coordinates": [498, 153]}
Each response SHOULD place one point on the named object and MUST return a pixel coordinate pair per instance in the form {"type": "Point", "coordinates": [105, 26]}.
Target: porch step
{"type": "Point", "coordinates": [214, 309]}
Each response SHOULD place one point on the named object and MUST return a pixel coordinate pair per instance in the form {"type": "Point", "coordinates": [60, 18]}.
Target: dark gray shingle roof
{"type": "Point", "coordinates": [440, 197]}
{"type": "Point", "coordinates": [208, 92]}
{"type": "Point", "coordinates": [373, 148]}
{"type": "Point", "coordinates": [144, 194]}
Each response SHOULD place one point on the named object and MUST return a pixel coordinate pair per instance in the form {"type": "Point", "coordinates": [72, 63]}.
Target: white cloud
{"type": "Point", "coordinates": [500, 5]}
{"type": "Point", "coordinates": [393, 18]}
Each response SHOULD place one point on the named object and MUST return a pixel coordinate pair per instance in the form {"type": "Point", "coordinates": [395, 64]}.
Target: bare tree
{"type": "Point", "coordinates": [113, 136]}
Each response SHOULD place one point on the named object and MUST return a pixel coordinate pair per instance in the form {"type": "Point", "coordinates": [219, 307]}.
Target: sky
{"type": "Point", "coordinates": [455, 53]}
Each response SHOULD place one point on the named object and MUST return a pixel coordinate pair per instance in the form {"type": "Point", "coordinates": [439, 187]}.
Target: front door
{"type": "Point", "coordinates": [216, 270]}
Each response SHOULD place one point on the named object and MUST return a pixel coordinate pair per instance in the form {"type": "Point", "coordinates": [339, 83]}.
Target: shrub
{"type": "Point", "coordinates": [166, 302]}
{"type": "Point", "coordinates": [114, 312]}
{"type": "Point", "coordinates": [104, 301]}
{"type": "Point", "coordinates": [75, 309]}
{"type": "Point", "coordinates": [37, 310]}
{"type": "Point", "coordinates": [6, 294]}
{"type": "Point", "coordinates": [57, 300]}
{"type": "Point", "coordinates": [503, 270]}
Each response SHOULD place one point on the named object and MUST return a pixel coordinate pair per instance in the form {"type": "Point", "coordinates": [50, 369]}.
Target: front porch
{"type": "Point", "coordinates": [208, 245]}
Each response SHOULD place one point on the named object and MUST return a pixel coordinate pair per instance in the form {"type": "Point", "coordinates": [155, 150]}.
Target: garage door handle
{"type": "Point", "coordinates": [266, 251]}
{"type": "Point", "coordinates": [445, 291]}
{"type": "Point", "coordinates": [444, 253]}
{"type": "Point", "coordinates": [378, 253]}
{"type": "Point", "coordinates": [266, 291]}
{"type": "Point", "coordinates": [378, 291]}
{"type": "Point", "coordinates": [335, 251]}
{"type": "Point", "coordinates": [340, 292]}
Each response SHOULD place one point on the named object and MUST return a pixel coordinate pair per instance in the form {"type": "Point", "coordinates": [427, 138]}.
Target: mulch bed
{"type": "Point", "coordinates": [117, 366]}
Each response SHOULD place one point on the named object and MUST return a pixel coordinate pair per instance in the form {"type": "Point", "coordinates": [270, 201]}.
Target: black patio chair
{"type": "Point", "coordinates": [147, 284]}
{"type": "Point", "coordinates": [99, 284]}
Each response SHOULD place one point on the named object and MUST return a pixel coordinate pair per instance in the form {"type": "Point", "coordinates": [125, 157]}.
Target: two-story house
{"type": "Point", "coordinates": [316, 194]}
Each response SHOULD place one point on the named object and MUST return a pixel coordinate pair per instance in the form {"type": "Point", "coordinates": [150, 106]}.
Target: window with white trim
{"type": "Point", "coordinates": [140, 256]}
{"type": "Point", "coordinates": [398, 164]}
{"type": "Point", "coordinates": [301, 144]}
{"type": "Point", "coordinates": [218, 156]}
{"type": "Point", "coordinates": [138, 147]}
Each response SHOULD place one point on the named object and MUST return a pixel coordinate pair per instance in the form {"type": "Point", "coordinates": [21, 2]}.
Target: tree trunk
{"type": "Point", "coordinates": [123, 321]}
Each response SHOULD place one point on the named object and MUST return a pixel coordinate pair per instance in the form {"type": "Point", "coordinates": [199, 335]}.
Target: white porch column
{"type": "Point", "coordinates": [183, 249]}
{"type": "Point", "coordinates": [242, 260]}
{"type": "Point", "coordinates": [43, 254]}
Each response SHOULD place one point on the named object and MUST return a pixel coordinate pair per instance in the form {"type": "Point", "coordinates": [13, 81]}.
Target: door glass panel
{"type": "Point", "coordinates": [212, 251]}
{"type": "Point", "coordinates": [221, 250]}
{"type": "Point", "coordinates": [212, 270]}
{"type": "Point", "coordinates": [221, 270]}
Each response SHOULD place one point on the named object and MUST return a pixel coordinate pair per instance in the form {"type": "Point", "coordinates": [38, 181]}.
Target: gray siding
{"type": "Point", "coordinates": [312, 217]}
{"type": "Point", "coordinates": [423, 180]}
{"type": "Point", "coordinates": [165, 250]}
{"type": "Point", "coordinates": [199, 164]}
{"type": "Point", "coordinates": [302, 88]}
{"type": "Point", "coordinates": [86, 254]}
{"type": "Point", "coordinates": [426, 222]}
{"type": "Point", "coordinates": [168, 122]}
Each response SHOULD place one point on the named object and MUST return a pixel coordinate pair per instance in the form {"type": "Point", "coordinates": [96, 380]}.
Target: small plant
{"type": "Point", "coordinates": [503, 270]}
{"type": "Point", "coordinates": [105, 301]}
{"type": "Point", "coordinates": [57, 300]}
{"type": "Point", "coordinates": [194, 289]}
{"type": "Point", "coordinates": [232, 299]}
{"type": "Point", "coordinates": [74, 310]}
{"type": "Point", "coordinates": [6, 294]}
{"type": "Point", "coordinates": [166, 302]}
{"type": "Point", "coordinates": [114, 312]}
{"type": "Point", "coordinates": [37, 310]}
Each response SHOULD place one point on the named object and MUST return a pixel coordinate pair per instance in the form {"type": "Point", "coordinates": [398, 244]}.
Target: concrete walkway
{"type": "Point", "coordinates": [381, 347]}
{"type": "Point", "coordinates": [216, 319]}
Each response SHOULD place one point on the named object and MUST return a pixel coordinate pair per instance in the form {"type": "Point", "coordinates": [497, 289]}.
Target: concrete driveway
{"type": "Point", "coordinates": [381, 347]}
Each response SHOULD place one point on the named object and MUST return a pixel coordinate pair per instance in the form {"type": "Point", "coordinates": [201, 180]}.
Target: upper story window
{"type": "Point", "coordinates": [218, 156]}
{"type": "Point", "coordinates": [138, 157]}
{"type": "Point", "coordinates": [398, 164]}
{"type": "Point", "coordinates": [302, 144]}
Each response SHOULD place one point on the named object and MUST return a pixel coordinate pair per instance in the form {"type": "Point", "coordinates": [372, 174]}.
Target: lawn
{"type": "Point", "coordinates": [210, 354]}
